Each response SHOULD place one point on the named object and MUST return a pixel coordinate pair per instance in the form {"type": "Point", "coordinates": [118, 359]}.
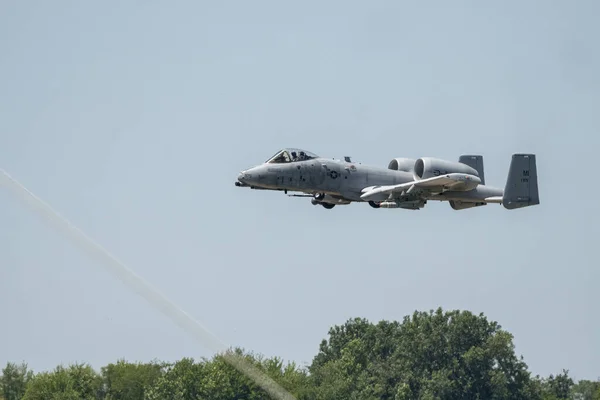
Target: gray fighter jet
{"type": "Point", "coordinates": [405, 183]}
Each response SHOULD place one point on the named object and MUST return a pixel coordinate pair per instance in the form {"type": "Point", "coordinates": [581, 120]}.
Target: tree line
{"type": "Point", "coordinates": [428, 355]}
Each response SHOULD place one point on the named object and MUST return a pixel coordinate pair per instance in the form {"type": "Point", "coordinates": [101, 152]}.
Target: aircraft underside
{"type": "Point", "coordinates": [329, 201]}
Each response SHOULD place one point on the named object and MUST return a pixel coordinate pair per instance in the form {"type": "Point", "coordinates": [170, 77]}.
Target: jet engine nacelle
{"type": "Point", "coordinates": [402, 164]}
{"type": "Point", "coordinates": [428, 167]}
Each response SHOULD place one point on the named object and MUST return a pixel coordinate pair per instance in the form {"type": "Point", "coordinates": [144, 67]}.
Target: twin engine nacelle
{"type": "Point", "coordinates": [428, 167]}
{"type": "Point", "coordinates": [402, 164]}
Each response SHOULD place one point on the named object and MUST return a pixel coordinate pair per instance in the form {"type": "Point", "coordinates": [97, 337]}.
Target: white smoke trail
{"type": "Point", "coordinates": [143, 288]}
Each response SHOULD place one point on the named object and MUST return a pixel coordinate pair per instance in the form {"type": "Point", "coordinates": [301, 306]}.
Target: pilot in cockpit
{"type": "Point", "coordinates": [302, 156]}
{"type": "Point", "coordinates": [294, 156]}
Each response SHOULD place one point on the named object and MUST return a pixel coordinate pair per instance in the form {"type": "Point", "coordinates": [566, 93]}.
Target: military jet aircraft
{"type": "Point", "coordinates": [405, 183]}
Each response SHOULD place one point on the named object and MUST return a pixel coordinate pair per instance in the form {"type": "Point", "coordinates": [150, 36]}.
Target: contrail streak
{"type": "Point", "coordinates": [143, 288]}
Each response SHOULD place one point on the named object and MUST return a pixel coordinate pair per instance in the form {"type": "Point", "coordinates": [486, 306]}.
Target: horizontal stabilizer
{"type": "Point", "coordinates": [493, 199]}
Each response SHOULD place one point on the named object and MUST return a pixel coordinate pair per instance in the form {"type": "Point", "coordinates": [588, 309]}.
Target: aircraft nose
{"type": "Point", "coordinates": [244, 177]}
{"type": "Point", "coordinates": [249, 176]}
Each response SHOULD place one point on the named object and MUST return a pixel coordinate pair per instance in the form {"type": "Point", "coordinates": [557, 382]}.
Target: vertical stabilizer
{"type": "Point", "coordinates": [475, 162]}
{"type": "Point", "coordinates": [521, 188]}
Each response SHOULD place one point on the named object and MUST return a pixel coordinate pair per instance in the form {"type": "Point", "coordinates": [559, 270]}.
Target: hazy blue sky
{"type": "Point", "coordinates": [133, 120]}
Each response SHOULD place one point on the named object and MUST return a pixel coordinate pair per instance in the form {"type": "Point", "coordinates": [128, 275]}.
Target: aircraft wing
{"type": "Point", "coordinates": [454, 181]}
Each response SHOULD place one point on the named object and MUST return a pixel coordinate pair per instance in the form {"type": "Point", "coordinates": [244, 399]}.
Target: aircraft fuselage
{"type": "Point", "coordinates": [332, 177]}
{"type": "Point", "coordinates": [405, 183]}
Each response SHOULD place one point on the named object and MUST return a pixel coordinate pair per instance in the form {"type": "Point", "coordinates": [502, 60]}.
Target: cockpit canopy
{"type": "Point", "coordinates": [289, 155]}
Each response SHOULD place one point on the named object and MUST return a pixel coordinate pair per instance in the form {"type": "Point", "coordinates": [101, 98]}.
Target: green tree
{"type": "Point", "coordinates": [557, 387]}
{"type": "Point", "coordinates": [441, 355]}
{"type": "Point", "coordinates": [428, 355]}
{"type": "Point", "coordinates": [217, 379]}
{"type": "Point", "coordinates": [585, 390]}
{"type": "Point", "coordinates": [181, 380]}
{"type": "Point", "coordinates": [76, 382]}
{"type": "Point", "coordinates": [130, 381]}
{"type": "Point", "coordinates": [14, 380]}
